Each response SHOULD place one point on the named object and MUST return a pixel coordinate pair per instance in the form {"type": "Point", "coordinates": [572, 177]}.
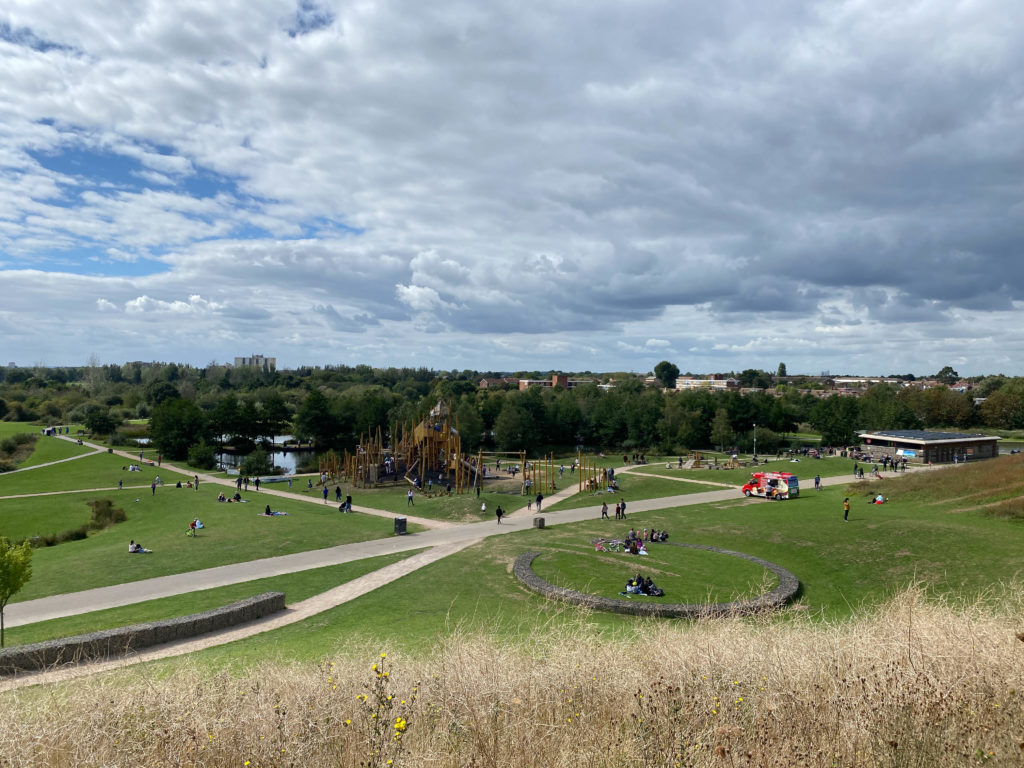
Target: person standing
{"type": "Point", "coordinates": [325, 494]}
{"type": "Point", "coordinates": [817, 482]}
{"type": "Point", "coordinates": [846, 509]}
{"type": "Point", "coordinates": [256, 482]}
{"type": "Point", "coordinates": [622, 508]}
{"type": "Point", "coordinates": [195, 481]}
{"type": "Point", "coordinates": [604, 510]}
{"type": "Point", "coordinates": [540, 498]}
{"type": "Point", "coordinates": [410, 503]}
{"type": "Point", "coordinates": [499, 512]}
{"type": "Point", "coordinates": [153, 487]}
{"type": "Point", "coordinates": [120, 484]}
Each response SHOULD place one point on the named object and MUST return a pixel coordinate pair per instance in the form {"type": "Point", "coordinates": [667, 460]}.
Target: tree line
{"type": "Point", "coordinates": [193, 409]}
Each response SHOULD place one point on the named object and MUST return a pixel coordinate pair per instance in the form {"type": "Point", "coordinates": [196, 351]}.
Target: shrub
{"type": "Point", "coordinates": [8, 446]}
{"type": "Point", "coordinates": [256, 463]}
{"type": "Point", "coordinates": [105, 514]}
{"type": "Point", "coordinates": [202, 455]}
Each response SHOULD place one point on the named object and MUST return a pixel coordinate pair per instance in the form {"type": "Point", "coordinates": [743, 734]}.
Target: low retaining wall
{"type": "Point", "coordinates": [110, 643]}
{"type": "Point", "coordinates": [777, 598]}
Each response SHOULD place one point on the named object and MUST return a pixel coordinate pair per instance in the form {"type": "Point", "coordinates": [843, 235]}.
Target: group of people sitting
{"type": "Point", "coordinates": [638, 585]}
{"type": "Point", "coordinates": [268, 512]}
{"type": "Point", "coordinates": [652, 535]}
{"type": "Point", "coordinates": [137, 549]}
{"type": "Point", "coordinates": [131, 468]}
{"type": "Point", "coordinates": [194, 526]}
{"type": "Point", "coordinates": [237, 497]}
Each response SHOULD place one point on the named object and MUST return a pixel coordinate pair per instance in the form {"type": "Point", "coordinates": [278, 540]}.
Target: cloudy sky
{"type": "Point", "coordinates": [578, 184]}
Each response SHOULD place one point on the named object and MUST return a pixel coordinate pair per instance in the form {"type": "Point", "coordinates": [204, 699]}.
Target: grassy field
{"type": "Point", "coordinates": [685, 575]}
{"type": "Point", "coordinates": [234, 533]}
{"type": "Point", "coordinates": [51, 449]}
{"type": "Point", "coordinates": [845, 568]}
{"type": "Point", "coordinates": [902, 649]}
{"type": "Point", "coordinates": [296, 587]}
{"type": "Point", "coordinates": [459, 508]}
{"type": "Point", "coordinates": [100, 470]}
{"type": "Point", "coordinates": [953, 532]}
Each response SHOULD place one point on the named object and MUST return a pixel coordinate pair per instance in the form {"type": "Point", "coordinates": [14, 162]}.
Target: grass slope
{"type": "Point", "coordinates": [234, 533]}
{"type": "Point", "coordinates": [296, 586]}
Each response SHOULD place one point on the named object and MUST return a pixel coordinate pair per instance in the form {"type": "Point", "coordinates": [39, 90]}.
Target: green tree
{"type": "Point", "coordinates": [274, 414]}
{"type": "Point", "coordinates": [667, 373]}
{"type": "Point", "coordinates": [256, 463]}
{"type": "Point", "coordinates": [99, 421]}
{"type": "Point", "coordinates": [157, 392]}
{"type": "Point", "coordinates": [315, 421]}
{"type": "Point", "coordinates": [176, 425]}
{"type": "Point", "coordinates": [722, 433]}
{"type": "Point", "coordinates": [202, 455]}
{"type": "Point", "coordinates": [15, 571]}
{"type": "Point", "coordinates": [471, 426]}
{"type": "Point", "coordinates": [836, 418]}
{"type": "Point", "coordinates": [781, 373]}
{"type": "Point", "coordinates": [947, 376]}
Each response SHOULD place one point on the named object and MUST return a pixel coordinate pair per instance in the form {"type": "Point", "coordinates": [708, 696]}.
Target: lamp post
{"type": "Point", "coordinates": [755, 441]}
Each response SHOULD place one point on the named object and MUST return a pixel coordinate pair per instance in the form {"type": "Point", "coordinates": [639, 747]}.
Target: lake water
{"type": "Point", "coordinates": [286, 461]}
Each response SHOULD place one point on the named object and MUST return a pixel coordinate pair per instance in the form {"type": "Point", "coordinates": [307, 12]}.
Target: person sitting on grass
{"type": "Point", "coordinates": [237, 496]}
{"type": "Point", "coordinates": [221, 496]}
{"type": "Point", "coordinates": [651, 589]}
{"type": "Point", "coordinates": [137, 549]}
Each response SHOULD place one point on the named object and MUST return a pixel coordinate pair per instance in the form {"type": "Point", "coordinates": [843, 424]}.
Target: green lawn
{"type": "Point", "coordinates": [296, 587]}
{"type": "Point", "coordinates": [844, 568]}
{"type": "Point", "coordinates": [634, 487]}
{"type": "Point", "coordinates": [686, 575]}
{"type": "Point", "coordinates": [51, 449]}
{"type": "Point", "coordinates": [101, 470]}
{"type": "Point", "coordinates": [234, 533]}
{"type": "Point", "coordinates": [8, 428]}
{"type": "Point", "coordinates": [461, 508]}
{"type": "Point", "coordinates": [934, 532]}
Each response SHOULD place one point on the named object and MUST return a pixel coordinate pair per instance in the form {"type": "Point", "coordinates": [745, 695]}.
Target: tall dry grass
{"type": "Point", "coordinates": [913, 684]}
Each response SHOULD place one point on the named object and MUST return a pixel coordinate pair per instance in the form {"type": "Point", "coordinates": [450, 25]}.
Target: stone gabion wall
{"type": "Point", "coordinates": [110, 643]}
{"type": "Point", "coordinates": [777, 598]}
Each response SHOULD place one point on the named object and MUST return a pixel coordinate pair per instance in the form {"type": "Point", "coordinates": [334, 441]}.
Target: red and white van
{"type": "Point", "coordinates": [773, 485]}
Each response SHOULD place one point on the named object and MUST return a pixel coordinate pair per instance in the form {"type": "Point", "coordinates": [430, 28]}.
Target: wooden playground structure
{"type": "Point", "coordinates": [429, 457]}
{"type": "Point", "coordinates": [591, 477]}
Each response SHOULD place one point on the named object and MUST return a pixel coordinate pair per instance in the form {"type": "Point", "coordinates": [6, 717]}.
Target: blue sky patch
{"type": "Point", "coordinates": [309, 17]}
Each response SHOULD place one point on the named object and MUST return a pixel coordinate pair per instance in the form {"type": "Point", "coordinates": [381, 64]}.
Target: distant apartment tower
{"type": "Point", "coordinates": [257, 361]}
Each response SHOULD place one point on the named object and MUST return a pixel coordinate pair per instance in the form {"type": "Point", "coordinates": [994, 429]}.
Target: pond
{"type": "Point", "coordinates": [287, 461]}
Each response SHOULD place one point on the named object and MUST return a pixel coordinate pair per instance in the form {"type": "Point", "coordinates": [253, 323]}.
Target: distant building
{"type": "Point", "coordinates": [713, 383]}
{"type": "Point", "coordinates": [931, 447]}
{"type": "Point", "coordinates": [557, 380]}
{"type": "Point", "coordinates": [861, 382]}
{"type": "Point", "coordinates": [257, 361]}
{"type": "Point", "coordinates": [505, 382]}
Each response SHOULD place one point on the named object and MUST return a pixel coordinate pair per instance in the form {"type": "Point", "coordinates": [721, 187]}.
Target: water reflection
{"type": "Point", "coordinates": [286, 461]}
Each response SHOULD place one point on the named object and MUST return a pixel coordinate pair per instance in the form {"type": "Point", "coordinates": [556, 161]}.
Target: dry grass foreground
{"type": "Point", "coordinates": [916, 683]}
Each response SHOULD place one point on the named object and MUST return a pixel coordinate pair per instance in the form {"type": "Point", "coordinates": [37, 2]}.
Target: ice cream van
{"type": "Point", "coordinates": [773, 485]}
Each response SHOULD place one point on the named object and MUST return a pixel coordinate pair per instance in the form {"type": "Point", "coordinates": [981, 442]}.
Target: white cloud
{"type": "Point", "coordinates": [832, 184]}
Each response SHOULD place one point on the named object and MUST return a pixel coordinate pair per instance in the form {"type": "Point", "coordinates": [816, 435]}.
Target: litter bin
{"type": "Point", "coordinates": [538, 522]}
{"type": "Point", "coordinates": [399, 526]}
